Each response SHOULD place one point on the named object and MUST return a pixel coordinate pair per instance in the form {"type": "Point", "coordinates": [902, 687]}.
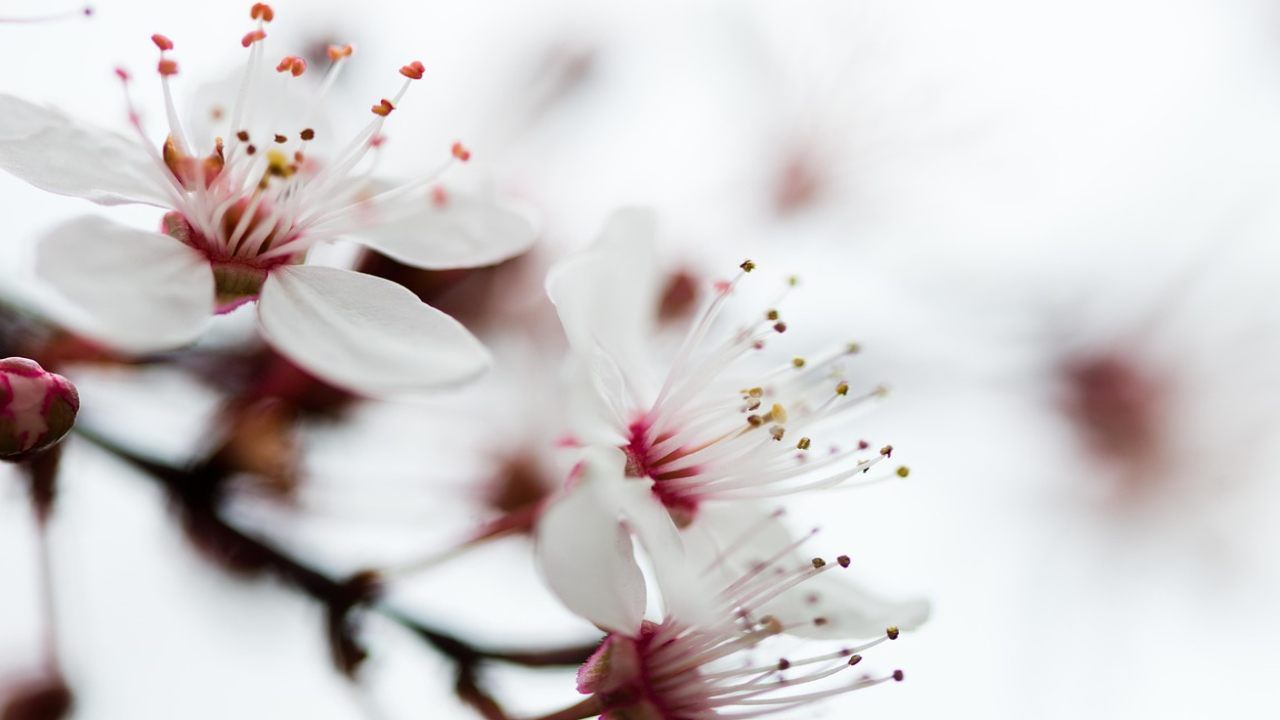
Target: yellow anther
{"type": "Point", "coordinates": [904, 471]}
{"type": "Point", "coordinates": [842, 388]}
{"type": "Point", "coordinates": [778, 413]}
{"type": "Point", "coordinates": [747, 266]}
{"type": "Point", "coordinates": [278, 164]}
{"type": "Point", "coordinates": [777, 431]}
{"type": "Point", "coordinates": [797, 362]}
{"type": "Point", "coordinates": [804, 443]}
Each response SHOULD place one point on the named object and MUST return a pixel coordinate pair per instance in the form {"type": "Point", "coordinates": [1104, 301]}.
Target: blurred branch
{"type": "Point", "coordinates": [197, 492]}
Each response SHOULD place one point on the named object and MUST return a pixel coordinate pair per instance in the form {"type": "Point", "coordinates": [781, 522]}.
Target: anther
{"type": "Point", "coordinates": [793, 280]}
{"type": "Point", "coordinates": [383, 108]}
{"type": "Point", "coordinates": [854, 660]}
{"type": "Point", "coordinates": [777, 431]}
{"type": "Point", "coordinates": [167, 67]}
{"type": "Point", "coordinates": [756, 392]}
{"type": "Point", "coordinates": [250, 149]}
{"type": "Point", "coordinates": [863, 444]}
{"type": "Point", "coordinates": [755, 420]}
{"type": "Point", "coordinates": [780, 327]}
{"type": "Point", "coordinates": [903, 471]}
{"type": "Point", "coordinates": [887, 451]}
{"type": "Point", "coordinates": [439, 196]}
{"type": "Point", "coordinates": [778, 413]}
{"type": "Point", "coordinates": [460, 152]}
{"type": "Point", "coordinates": [804, 443]}
{"type": "Point", "coordinates": [842, 388]}
{"type": "Point", "coordinates": [281, 139]}
{"type": "Point", "coordinates": [898, 675]}
{"type": "Point", "coordinates": [122, 74]}
{"type": "Point", "coordinates": [771, 315]}
{"type": "Point", "coordinates": [771, 624]}
{"type": "Point", "coordinates": [263, 12]}
{"type": "Point", "coordinates": [413, 70]}
{"type": "Point", "coordinates": [307, 134]}
{"type": "Point", "coordinates": [292, 64]}
{"type": "Point", "coordinates": [891, 632]}
{"type": "Point", "coordinates": [820, 621]}
{"type": "Point", "coordinates": [252, 37]}
{"type": "Point", "coordinates": [797, 362]}
{"type": "Point", "coordinates": [843, 561]}
{"type": "Point", "coordinates": [783, 663]}
{"type": "Point", "coordinates": [818, 562]}
{"type": "Point", "coordinates": [853, 348]}
{"type": "Point", "coordinates": [162, 42]}
{"type": "Point", "coordinates": [747, 266]}
{"type": "Point", "coordinates": [337, 52]}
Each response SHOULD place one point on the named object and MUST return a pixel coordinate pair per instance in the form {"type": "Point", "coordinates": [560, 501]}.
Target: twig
{"type": "Point", "coordinates": [197, 493]}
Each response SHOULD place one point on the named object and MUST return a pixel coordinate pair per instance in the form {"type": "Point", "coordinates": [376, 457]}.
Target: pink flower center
{"type": "Point", "coordinates": [643, 461]}
{"type": "Point", "coordinates": [238, 276]}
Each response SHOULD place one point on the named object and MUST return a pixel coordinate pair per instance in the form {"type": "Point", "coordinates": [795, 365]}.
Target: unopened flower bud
{"type": "Point", "coordinates": [37, 408]}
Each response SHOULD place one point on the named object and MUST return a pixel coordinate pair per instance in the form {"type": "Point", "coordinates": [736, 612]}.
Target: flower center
{"type": "Point", "coordinates": [643, 461]}
{"type": "Point", "coordinates": [237, 278]}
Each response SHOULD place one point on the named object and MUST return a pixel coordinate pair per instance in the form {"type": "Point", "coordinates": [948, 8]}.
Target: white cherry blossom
{"type": "Point", "coordinates": [726, 665]}
{"type": "Point", "coordinates": [707, 450]}
{"type": "Point", "coordinates": [243, 210]}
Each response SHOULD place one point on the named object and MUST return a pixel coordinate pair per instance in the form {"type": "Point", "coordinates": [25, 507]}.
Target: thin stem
{"type": "Point", "coordinates": [42, 474]}
{"type": "Point", "coordinates": [196, 492]}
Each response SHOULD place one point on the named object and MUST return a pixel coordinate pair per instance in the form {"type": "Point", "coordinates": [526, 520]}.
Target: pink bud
{"type": "Point", "coordinates": [37, 408]}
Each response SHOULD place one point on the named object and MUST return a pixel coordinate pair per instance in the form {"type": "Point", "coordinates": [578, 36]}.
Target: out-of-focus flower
{"type": "Point", "coordinates": [706, 438]}
{"type": "Point", "coordinates": [37, 408]}
{"type": "Point", "coordinates": [244, 210]}
{"type": "Point", "coordinates": [682, 669]}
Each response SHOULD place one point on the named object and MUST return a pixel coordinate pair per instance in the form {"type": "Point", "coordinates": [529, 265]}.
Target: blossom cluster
{"type": "Point", "coordinates": [679, 455]}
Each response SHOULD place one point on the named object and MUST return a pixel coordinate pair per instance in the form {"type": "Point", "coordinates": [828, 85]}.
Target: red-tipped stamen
{"type": "Point", "coordinates": [253, 37]}
{"type": "Point", "coordinates": [263, 12]}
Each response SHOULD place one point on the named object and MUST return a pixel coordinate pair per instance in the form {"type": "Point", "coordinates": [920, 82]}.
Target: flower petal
{"type": "Point", "coordinates": [607, 294]}
{"type": "Point", "coordinates": [585, 551]}
{"type": "Point", "coordinates": [458, 231]}
{"type": "Point", "coordinates": [846, 608]}
{"type": "Point", "coordinates": [135, 291]}
{"type": "Point", "coordinates": [685, 594]}
{"type": "Point", "coordinates": [48, 150]}
{"type": "Point", "coordinates": [364, 333]}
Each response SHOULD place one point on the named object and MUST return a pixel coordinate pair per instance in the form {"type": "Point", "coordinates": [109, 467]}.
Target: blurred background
{"type": "Point", "coordinates": [1051, 227]}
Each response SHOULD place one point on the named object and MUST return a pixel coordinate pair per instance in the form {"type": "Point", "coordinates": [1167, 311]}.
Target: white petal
{"type": "Point", "coordinates": [608, 294]}
{"type": "Point", "coordinates": [135, 291]}
{"type": "Point", "coordinates": [270, 107]}
{"type": "Point", "coordinates": [364, 333]}
{"type": "Point", "coordinates": [465, 231]}
{"type": "Point", "coordinates": [585, 552]}
{"type": "Point", "coordinates": [685, 594]}
{"type": "Point", "coordinates": [849, 610]}
{"type": "Point", "coordinates": [49, 151]}
{"type": "Point", "coordinates": [598, 402]}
